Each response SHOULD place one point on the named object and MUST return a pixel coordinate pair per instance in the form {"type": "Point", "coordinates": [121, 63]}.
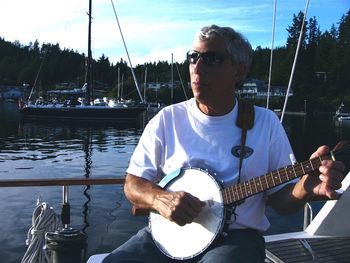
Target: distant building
{"type": "Point", "coordinates": [321, 76]}
{"type": "Point", "coordinates": [161, 85]}
{"type": "Point", "coordinates": [66, 85]}
{"type": "Point", "coordinates": [252, 88]}
{"type": "Point", "coordinates": [255, 88]}
{"type": "Point", "coordinates": [154, 85]}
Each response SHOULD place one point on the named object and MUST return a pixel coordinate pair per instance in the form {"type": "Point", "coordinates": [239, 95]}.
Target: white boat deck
{"type": "Point", "coordinates": [97, 258]}
{"type": "Point", "coordinates": [326, 239]}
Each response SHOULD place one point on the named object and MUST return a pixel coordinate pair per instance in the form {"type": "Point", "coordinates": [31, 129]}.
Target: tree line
{"type": "Point", "coordinates": [321, 76]}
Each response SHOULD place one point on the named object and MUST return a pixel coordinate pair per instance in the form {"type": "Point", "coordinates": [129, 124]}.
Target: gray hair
{"type": "Point", "coordinates": [237, 45]}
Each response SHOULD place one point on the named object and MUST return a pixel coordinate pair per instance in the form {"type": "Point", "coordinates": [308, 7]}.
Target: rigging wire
{"type": "Point", "coordinates": [182, 84]}
{"type": "Point", "coordinates": [127, 53]}
{"type": "Point", "coordinates": [295, 60]}
{"type": "Point", "coordinates": [271, 55]}
{"type": "Point", "coordinates": [37, 76]}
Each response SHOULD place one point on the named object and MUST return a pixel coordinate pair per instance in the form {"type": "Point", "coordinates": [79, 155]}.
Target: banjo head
{"type": "Point", "coordinates": [190, 240]}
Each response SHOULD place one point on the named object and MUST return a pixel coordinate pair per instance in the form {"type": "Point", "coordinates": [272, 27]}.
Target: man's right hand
{"type": "Point", "coordinates": [179, 207]}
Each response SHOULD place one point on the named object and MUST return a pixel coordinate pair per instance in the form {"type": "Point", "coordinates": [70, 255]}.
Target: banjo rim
{"type": "Point", "coordinates": [219, 227]}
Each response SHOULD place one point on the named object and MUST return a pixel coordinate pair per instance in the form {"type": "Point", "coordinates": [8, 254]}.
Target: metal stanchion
{"type": "Point", "coordinates": [66, 244]}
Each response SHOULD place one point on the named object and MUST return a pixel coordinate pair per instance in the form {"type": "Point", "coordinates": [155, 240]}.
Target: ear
{"type": "Point", "coordinates": [240, 72]}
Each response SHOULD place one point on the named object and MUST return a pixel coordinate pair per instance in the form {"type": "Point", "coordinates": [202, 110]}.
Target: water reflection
{"type": "Point", "coordinates": [87, 168]}
{"type": "Point", "coordinates": [36, 144]}
{"type": "Point", "coordinates": [342, 129]}
{"type": "Point", "coordinates": [32, 150]}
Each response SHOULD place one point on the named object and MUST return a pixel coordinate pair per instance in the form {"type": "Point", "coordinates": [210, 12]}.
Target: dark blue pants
{"type": "Point", "coordinates": [240, 246]}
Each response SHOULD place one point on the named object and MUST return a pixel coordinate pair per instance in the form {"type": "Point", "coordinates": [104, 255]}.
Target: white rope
{"type": "Point", "coordinates": [295, 61]}
{"type": "Point", "coordinates": [127, 53]}
{"type": "Point", "coordinates": [44, 220]}
{"type": "Point", "coordinates": [271, 55]}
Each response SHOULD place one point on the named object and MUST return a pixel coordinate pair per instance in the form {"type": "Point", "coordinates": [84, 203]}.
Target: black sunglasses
{"type": "Point", "coordinates": [210, 58]}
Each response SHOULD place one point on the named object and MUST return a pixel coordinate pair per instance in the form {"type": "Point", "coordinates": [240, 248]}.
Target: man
{"type": "Point", "coordinates": [201, 132]}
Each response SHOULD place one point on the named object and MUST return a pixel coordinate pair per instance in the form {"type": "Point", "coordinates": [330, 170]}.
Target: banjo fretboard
{"type": "Point", "coordinates": [262, 183]}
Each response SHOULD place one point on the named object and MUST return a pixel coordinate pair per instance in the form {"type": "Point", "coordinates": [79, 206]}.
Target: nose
{"type": "Point", "coordinates": [199, 66]}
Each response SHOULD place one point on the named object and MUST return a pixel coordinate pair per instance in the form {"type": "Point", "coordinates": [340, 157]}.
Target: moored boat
{"type": "Point", "coordinates": [342, 116]}
{"type": "Point", "coordinates": [87, 109]}
{"type": "Point", "coordinates": [343, 112]}
{"type": "Point", "coordinates": [82, 113]}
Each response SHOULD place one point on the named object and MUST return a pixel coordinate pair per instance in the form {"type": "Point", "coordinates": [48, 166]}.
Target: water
{"type": "Point", "coordinates": [102, 212]}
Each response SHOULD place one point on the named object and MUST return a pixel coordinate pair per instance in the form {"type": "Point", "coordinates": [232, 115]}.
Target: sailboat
{"type": "Point", "coordinates": [87, 109]}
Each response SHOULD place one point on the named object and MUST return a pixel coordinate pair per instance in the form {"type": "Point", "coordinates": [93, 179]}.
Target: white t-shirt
{"type": "Point", "coordinates": [181, 135]}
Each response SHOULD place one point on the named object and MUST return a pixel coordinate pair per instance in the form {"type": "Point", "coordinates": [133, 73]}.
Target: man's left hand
{"type": "Point", "coordinates": [327, 179]}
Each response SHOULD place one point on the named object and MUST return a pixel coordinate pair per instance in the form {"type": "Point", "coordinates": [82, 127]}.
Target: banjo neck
{"type": "Point", "coordinates": [241, 191]}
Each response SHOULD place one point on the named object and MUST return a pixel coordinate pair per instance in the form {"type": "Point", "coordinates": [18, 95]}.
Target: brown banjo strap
{"type": "Point", "coordinates": [245, 121]}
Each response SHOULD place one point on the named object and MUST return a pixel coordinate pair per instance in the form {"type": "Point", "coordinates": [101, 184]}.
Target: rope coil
{"type": "Point", "coordinates": [44, 220]}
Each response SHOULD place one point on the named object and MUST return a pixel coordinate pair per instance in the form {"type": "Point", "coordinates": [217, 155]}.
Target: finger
{"type": "Point", "coordinates": [177, 215]}
{"type": "Point", "coordinates": [330, 182]}
{"type": "Point", "coordinates": [192, 206]}
{"type": "Point", "coordinates": [178, 220]}
{"type": "Point", "coordinates": [332, 194]}
{"type": "Point", "coordinates": [195, 203]}
{"type": "Point", "coordinates": [183, 207]}
{"type": "Point", "coordinates": [332, 173]}
{"type": "Point", "coordinates": [322, 150]}
{"type": "Point", "coordinates": [325, 190]}
{"type": "Point", "coordinates": [184, 215]}
{"type": "Point", "coordinates": [181, 219]}
{"type": "Point", "coordinates": [333, 182]}
{"type": "Point", "coordinates": [335, 165]}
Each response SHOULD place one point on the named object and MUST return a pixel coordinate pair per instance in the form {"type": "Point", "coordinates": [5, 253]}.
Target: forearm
{"type": "Point", "coordinates": [141, 192]}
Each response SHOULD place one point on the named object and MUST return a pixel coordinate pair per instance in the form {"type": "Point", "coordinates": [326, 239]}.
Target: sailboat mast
{"type": "Point", "coordinates": [118, 96]}
{"type": "Point", "coordinates": [89, 93]}
{"type": "Point", "coordinates": [172, 79]}
{"type": "Point", "coordinates": [144, 86]}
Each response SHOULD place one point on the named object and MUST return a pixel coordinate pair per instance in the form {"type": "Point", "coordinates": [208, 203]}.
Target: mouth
{"type": "Point", "coordinates": [198, 84]}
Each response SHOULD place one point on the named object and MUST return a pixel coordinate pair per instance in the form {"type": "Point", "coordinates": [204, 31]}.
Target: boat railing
{"type": "Point", "coordinates": [65, 183]}
{"type": "Point", "coordinates": [59, 182]}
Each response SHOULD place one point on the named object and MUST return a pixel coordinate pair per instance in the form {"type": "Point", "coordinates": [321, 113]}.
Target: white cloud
{"type": "Point", "coordinates": [152, 29]}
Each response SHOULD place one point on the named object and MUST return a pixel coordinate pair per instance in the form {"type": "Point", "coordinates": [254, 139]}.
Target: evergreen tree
{"type": "Point", "coordinates": [343, 57]}
{"type": "Point", "coordinates": [294, 32]}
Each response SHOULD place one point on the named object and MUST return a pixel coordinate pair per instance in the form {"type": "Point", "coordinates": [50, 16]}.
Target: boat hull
{"type": "Point", "coordinates": [82, 113]}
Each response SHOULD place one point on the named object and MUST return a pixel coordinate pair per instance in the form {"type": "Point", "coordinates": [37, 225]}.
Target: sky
{"type": "Point", "coordinates": [154, 29]}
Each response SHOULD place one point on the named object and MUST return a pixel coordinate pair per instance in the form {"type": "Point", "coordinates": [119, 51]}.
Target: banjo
{"type": "Point", "coordinates": [185, 242]}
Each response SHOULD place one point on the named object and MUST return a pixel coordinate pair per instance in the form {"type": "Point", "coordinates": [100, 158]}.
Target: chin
{"type": "Point", "coordinates": [201, 99]}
